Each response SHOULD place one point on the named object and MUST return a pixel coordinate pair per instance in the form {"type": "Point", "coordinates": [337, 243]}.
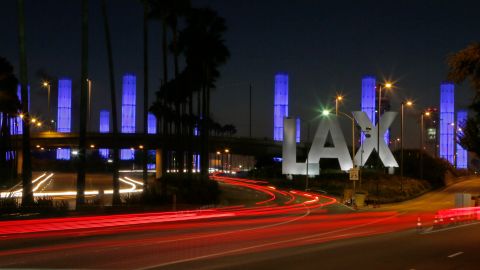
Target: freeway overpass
{"type": "Point", "coordinates": [237, 145]}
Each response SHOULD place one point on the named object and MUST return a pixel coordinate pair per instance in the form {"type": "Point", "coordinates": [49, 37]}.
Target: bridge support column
{"type": "Point", "coordinates": [19, 162]}
{"type": "Point", "coordinates": [158, 163]}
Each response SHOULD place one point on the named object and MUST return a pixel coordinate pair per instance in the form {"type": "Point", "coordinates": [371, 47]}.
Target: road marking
{"type": "Point", "coordinates": [449, 228]}
{"type": "Point", "coordinates": [233, 251]}
{"type": "Point", "coordinates": [455, 254]}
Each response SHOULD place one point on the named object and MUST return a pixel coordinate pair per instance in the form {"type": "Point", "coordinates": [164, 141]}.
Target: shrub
{"type": "Point", "coordinates": [193, 189]}
{"type": "Point", "coordinates": [9, 205]}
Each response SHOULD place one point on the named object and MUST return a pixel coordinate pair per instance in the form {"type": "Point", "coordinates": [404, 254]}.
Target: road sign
{"type": "Point", "coordinates": [354, 173]}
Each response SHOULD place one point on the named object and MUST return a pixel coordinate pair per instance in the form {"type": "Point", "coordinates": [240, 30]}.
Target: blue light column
{"type": "Point", "coordinates": [128, 111]}
{"type": "Point", "coordinates": [447, 121]}
{"type": "Point", "coordinates": [16, 126]}
{"type": "Point", "coordinates": [152, 124]}
{"type": "Point", "coordinates": [64, 115]}
{"type": "Point", "coordinates": [368, 98]}
{"type": "Point", "coordinates": [297, 135]}
{"type": "Point", "coordinates": [462, 154]}
{"type": "Point", "coordinates": [151, 129]}
{"type": "Point", "coordinates": [104, 128]}
{"type": "Point", "coordinates": [280, 107]}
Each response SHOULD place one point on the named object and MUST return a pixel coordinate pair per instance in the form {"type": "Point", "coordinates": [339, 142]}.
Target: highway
{"type": "Point", "coordinates": [283, 230]}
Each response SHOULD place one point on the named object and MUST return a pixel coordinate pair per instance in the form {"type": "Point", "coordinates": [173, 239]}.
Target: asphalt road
{"type": "Point", "coordinates": [456, 248]}
{"type": "Point", "coordinates": [273, 236]}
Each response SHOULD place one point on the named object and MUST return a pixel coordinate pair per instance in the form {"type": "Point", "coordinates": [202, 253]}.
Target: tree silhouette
{"type": "Point", "coordinates": [465, 65]}
{"type": "Point", "coordinates": [9, 107]}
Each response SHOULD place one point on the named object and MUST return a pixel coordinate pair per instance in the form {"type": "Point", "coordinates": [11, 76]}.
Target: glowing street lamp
{"type": "Point", "coordinates": [338, 99]}
{"type": "Point", "coordinates": [325, 112]}
{"type": "Point", "coordinates": [422, 141]}
{"type": "Point", "coordinates": [387, 85]}
{"type": "Point", "coordinates": [46, 84]}
{"type": "Point", "coordinates": [407, 103]}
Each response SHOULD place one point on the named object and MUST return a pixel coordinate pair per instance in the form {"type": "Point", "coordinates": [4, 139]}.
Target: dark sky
{"type": "Point", "coordinates": [325, 46]}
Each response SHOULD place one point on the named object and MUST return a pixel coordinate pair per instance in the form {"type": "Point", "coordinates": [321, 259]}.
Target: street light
{"type": "Point", "coordinates": [338, 99]}
{"type": "Point", "coordinates": [454, 163]}
{"type": "Point", "coordinates": [408, 103]}
{"type": "Point", "coordinates": [89, 82]}
{"type": "Point", "coordinates": [46, 84]}
{"type": "Point", "coordinates": [353, 145]}
{"type": "Point", "coordinates": [227, 161]}
{"type": "Point", "coordinates": [422, 141]}
{"type": "Point", "coordinates": [387, 85]}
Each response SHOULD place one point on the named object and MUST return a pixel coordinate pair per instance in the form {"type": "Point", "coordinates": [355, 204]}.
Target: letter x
{"type": "Point", "coordinates": [369, 144]}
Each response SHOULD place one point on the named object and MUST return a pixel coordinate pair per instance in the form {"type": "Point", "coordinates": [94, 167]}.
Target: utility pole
{"type": "Point", "coordinates": [250, 112]}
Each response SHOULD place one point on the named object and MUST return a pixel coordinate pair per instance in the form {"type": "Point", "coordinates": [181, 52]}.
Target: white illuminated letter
{"type": "Point", "coordinates": [339, 150]}
{"type": "Point", "coordinates": [289, 152]}
{"type": "Point", "coordinates": [370, 143]}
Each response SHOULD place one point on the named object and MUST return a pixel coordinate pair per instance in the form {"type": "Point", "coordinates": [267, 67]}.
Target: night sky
{"type": "Point", "coordinates": [325, 47]}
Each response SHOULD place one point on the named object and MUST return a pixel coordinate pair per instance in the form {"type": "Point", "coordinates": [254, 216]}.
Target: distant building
{"type": "Point", "coordinates": [431, 131]}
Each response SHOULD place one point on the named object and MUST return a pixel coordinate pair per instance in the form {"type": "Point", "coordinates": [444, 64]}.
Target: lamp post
{"type": "Point", "coordinates": [338, 99]}
{"type": "Point", "coordinates": [388, 86]}
{"type": "Point", "coordinates": [219, 160]}
{"type": "Point", "coordinates": [89, 82]}
{"type": "Point", "coordinates": [422, 141]}
{"type": "Point", "coordinates": [46, 84]}
{"type": "Point", "coordinates": [227, 166]}
{"type": "Point", "coordinates": [353, 144]}
{"type": "Point", "coordinates": [402, 131]}
{"type": "Point", "coordinates": [454, 152]}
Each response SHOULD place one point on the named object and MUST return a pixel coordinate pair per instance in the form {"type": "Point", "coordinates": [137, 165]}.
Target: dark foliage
{"type": "Point", "coordinates": [192, 189]}
{"type": "Point", "coordinates": [465, 65]}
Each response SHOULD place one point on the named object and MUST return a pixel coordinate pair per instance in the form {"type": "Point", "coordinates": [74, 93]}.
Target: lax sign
{"type": "Point", "coordinates": [339, 150]}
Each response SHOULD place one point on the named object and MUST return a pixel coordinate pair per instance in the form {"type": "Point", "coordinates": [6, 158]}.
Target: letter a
{"type": "Point", "coordinates": [339, 151]}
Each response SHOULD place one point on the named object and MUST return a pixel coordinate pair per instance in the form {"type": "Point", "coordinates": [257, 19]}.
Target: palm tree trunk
{"type": "Point", "coordinates": [204, 121]}
{"type": "Point", "coordinates": [190, 127]}
{"type": "Point", "coordinates": [82, 143]}
{"type": "Point", "coordinates": [165, 80]}
{"type": "Point", "coordinates": [27, 195]}
{"type": "Point", "coordinates": [145, 97]}
{"type": "Point", "coordinates": [113, 102]}
{"type": "Point", "coordinates": [179, 126]}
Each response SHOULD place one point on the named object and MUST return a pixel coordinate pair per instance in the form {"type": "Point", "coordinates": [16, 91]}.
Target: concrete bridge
{"type": "Point", "coordinates": [238, 145]}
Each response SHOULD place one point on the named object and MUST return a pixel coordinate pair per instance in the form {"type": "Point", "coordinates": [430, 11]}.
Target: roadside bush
{"type": "Point", "coordinates": [434, 169]}
{"type": "Point", "coordinates": [9, 205]}
{"type": "Point", "coordinates": [193, 189]}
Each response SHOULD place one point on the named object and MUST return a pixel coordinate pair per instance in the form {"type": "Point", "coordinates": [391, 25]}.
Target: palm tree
{"type": "Point", "coordinates": [9, 107]}
{"type": "Point", "coordinates": [82, 142]}
{"type": "Point", "coordinates": [205, 51]}
{"type": "Point", "coordinates": [27, 195]}
{"type": "Point", "coordinates": [168, 12]}
{"type": "Point", "coordinates": [146, 11]}
{"type": "Point", "coordinates": [113, 102]}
